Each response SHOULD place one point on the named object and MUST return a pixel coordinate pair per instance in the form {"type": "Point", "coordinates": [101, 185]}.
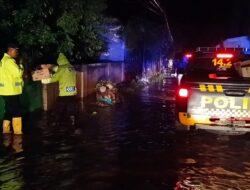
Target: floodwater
{"type": "Point", "coordinates": [130, 146]}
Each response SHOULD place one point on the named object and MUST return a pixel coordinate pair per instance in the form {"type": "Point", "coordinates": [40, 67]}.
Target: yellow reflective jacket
{"type": "Point", "coordinates": [65, 75]}
{"type": "Point", "coordinates": [11, 81]}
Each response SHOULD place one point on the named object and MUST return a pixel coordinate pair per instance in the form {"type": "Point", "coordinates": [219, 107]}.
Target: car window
{"type": "Point", "coordinates": [207, 65]}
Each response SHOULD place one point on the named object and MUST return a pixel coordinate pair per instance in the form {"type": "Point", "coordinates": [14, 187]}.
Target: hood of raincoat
{"type": "Point", "coordinates": [62, 59]}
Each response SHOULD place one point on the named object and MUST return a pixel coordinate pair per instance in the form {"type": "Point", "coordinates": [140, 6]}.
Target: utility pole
{"type": "Point", "coordinates": [155, 7]}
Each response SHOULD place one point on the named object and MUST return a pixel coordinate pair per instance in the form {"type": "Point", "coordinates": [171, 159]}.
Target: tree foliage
{"type": "Point", "coordinates": [148, 33]}
{"type": "Point", "coordinates": [45, 26]}
{"type": "Point", "coordinates": [146, 38]}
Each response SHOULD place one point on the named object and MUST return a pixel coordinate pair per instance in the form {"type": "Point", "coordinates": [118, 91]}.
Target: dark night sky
{"type": "Point", "coordinates": [194, 22]}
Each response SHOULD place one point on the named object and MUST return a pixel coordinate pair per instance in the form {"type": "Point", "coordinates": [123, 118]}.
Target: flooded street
{"type": "Point", "coordinates": [131, 146]}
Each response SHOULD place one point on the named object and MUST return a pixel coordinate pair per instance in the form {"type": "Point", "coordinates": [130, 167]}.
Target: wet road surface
{"type": "Point", "coordinates": [130, 146]}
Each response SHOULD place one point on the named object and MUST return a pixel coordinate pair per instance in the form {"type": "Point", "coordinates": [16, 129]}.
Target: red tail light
{"type": "Point", "coordinates": [183, 92]}
{"type": "Point", "coordinates": [224, 55]}
{"type": "Point", "coordinates": [188, 55]}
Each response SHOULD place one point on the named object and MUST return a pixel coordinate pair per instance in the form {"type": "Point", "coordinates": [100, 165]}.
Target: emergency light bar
{"type": "Point", "coordinates": [220, 49]}
{"type": "Point", "coordinates": [224, 55]}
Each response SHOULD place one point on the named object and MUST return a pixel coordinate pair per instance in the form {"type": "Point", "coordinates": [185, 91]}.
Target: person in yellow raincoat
{"type": "Point", "coordinates": [11, 87]}
{"type": "Point", "coordinates": [65, 74]}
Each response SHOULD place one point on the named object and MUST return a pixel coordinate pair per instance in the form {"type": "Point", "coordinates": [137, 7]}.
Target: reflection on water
{"type": "Point", "coordinates": [10, 165]}
{"type": "Point", "coordinates": [126, 147]}
{"type": "Point", "coordinates": [189, 183]}
{"type": "Point", "coordinates": [219, 163]}
{"type": "Point", "coordinates": [11, 173]}
{"type": "Point", "coordinates": [13, 141]}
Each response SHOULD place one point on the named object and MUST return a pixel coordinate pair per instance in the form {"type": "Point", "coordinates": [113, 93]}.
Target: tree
{"type": "Point", "coordinates": [148, 38]}
{"type": "Point", "coordinates": [43, 26]}
{"type": "Point", "coordinates": [168, 42]}
{"type": "Point", "coordinates": [155, 6]}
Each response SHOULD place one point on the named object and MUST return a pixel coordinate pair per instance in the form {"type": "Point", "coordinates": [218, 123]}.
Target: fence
{"type": "Point", "coordinates": [87, 77]}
